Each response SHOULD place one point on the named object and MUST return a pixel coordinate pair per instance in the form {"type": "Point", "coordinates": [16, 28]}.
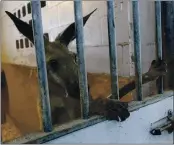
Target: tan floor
{"type": "Point", "coordinates": [100, 84]}
{"type": "Point", "coordinates": [9, 130]}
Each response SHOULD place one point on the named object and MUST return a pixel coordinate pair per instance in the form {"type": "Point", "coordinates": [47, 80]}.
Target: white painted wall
{"type": "Point", "coordinates": [57, 15]}
{"type": "Point", "coordinates": [133, 130]}
{"type": "Point", "coordinates": [0, 24]}
{"type": "Point", "coordinates": [96, 36]}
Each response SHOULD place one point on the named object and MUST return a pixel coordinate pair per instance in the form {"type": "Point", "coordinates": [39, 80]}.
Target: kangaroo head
{"type": "Point", "coordinates": [61, 65]}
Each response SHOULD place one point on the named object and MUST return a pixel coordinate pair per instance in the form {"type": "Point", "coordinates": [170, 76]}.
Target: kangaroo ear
{"type": "Point", "coordinates": [22, 26]}
{"type": "Point", "coordinates": [68, 34]}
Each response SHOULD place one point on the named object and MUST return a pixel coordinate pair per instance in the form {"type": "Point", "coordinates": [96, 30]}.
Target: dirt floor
{"type": "Point", "coordinates": [100, 84]}
{"type": "Point", "coordinates": [23, 92]}
{"type": "Point", "coordinates": [9, 130]}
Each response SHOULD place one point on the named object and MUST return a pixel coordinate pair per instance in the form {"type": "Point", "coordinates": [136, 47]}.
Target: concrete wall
{"type": "Point", "coordinates": [56, 19]}
{"type": "Point", "coordinates": [58, 15]}
{"type": "Point", "coordinates": [0, 24]}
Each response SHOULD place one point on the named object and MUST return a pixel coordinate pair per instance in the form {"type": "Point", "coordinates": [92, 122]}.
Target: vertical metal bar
{"type": "Point", "coordinates": [168, 7]}
{"type": "Point", "coordinates": [137, 49]}
{"type": "Point", "coordinates": [112, 49]}
{"type": "Point", "coordinates": [80, 58]}
{"type": "Point", "coordinates": [159, 40]}
{"type": "Point", "coordinates": [42, 71]}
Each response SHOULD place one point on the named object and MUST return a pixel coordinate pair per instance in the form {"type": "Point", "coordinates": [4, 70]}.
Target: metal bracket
{"type": "Point", "coordinates": [163, 124]}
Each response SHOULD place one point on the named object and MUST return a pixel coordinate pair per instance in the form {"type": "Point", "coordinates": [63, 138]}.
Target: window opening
{"type": "Point", "coordinates": [29, 8]}
{"type": "Point", "coordinates": [17, 44]}
{"type": "Point", "coordinates": [43, 4]}
{"type": "Point", "coordinates": [19, 14]}
{"type": "Point", "coordinates": [26, 43]}
{"type": "Point", "coordinates": [21, 43]}
{"type": "Point", "coordinates": [23, 11]}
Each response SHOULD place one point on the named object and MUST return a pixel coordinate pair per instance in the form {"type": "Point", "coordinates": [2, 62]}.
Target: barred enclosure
{"type": "Point", "coordinates": [52, 91]}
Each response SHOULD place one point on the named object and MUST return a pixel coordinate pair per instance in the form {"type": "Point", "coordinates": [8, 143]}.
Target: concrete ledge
{"type": "Point", "coordinates": [41, 137]}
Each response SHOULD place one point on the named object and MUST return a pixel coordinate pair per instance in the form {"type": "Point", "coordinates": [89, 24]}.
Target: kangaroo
{"type": "Point", "coordinates": [63, 80]}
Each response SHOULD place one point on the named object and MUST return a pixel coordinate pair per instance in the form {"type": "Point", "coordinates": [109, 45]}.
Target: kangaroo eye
{"type": "Point", "coordinates": [53, 64]}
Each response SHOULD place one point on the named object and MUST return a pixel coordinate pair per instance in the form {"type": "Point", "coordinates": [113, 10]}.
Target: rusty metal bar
{"type": "Point", "coordinates": [41, 65]}
{"type": "Point", "coordinates": [80, 58]}
{"type": "Point", "coordinates": [168, 25]}
{"type": "Point", "coordinates": [159, 39]}
{"type": "Point", "coordinates": [112, 49]}
{"type": "Point", "coordinates": [137, 49]}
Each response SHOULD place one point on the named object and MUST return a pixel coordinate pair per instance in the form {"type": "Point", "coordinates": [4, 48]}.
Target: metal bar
{"type": "Point", "coordinates": [42, 71]}
{"type": "Point", "coordinates": [168, 14]}
{"type": "Point", "coordinates": [112, 49]}
{"type": "Point", "coordinates": [159, 40]}
{"type": "Point", "coordinates": [81, 60]}
{"type": "Point", "coordinates": [137, 50]}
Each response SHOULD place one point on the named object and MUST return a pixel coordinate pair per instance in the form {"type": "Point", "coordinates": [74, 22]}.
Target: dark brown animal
{"type": "Point", "coordinates": [63, 78]}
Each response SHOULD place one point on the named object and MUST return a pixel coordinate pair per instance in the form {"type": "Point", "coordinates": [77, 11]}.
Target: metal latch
{"type": "Point", "coordinates": [166, 123]}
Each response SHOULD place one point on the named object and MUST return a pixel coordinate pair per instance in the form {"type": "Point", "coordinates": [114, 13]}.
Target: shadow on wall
{"type": "Point", "coordinates": [4, 97]}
